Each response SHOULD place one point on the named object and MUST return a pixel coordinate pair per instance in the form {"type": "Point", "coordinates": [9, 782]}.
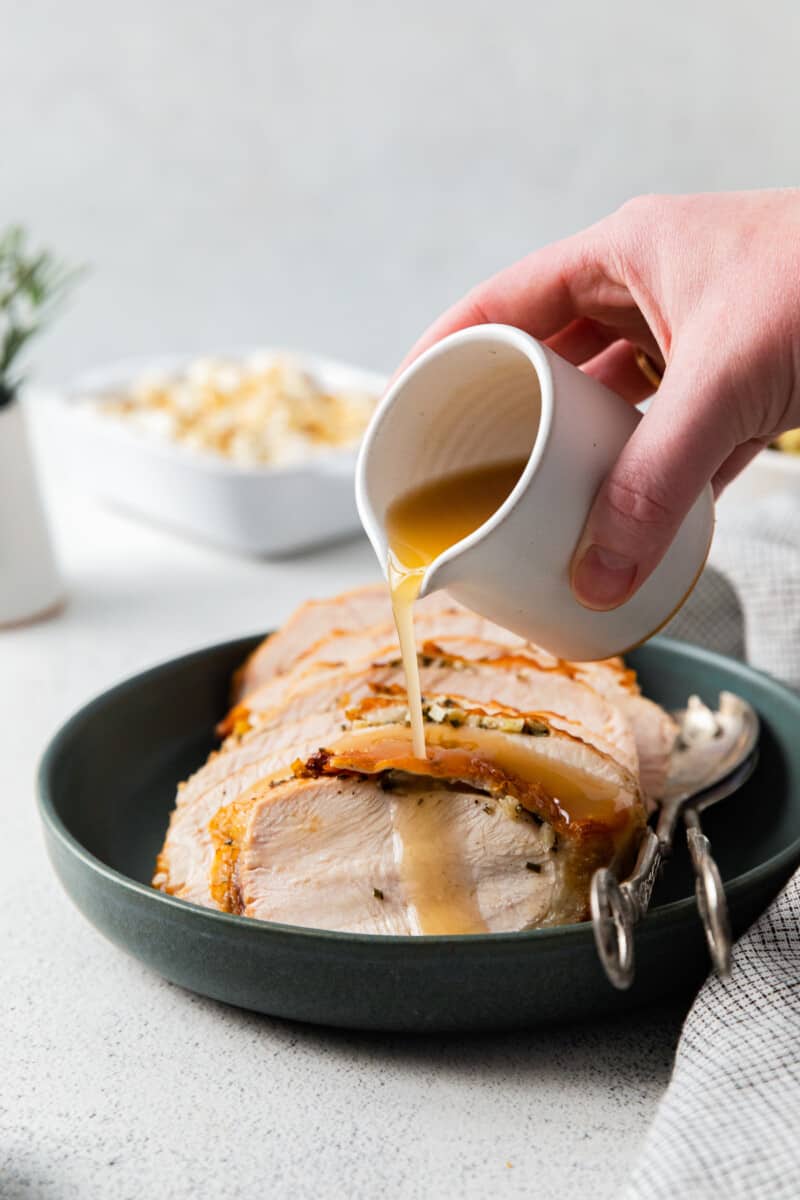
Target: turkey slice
{"type": "Point", "coordinates": [501, 807]}
{"type": "Point", "coordinates": [351, 611]}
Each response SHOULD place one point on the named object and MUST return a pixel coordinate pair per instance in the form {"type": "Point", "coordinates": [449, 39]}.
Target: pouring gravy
{"type": "Point", "coordinates": [420, 525]}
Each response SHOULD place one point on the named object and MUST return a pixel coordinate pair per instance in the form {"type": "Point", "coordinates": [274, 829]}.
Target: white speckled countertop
{"type": "Point", "coordinates": [117, 1084]}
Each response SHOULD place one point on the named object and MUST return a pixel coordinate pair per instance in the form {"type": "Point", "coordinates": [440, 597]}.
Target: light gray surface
{"type": "Point", "coordinates": [331, 174]}
{"type": "Point", "coordinates": [115, 1083]}
{"type": "Point", "coordinates": [327, 176]}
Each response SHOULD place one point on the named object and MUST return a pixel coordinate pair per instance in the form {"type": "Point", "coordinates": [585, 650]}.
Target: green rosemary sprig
{"type": "Point", "coordinates": [32, 287]}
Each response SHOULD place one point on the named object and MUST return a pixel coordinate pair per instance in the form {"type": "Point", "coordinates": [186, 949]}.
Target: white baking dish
{"type": "Point", "coordinates": [253, 510]}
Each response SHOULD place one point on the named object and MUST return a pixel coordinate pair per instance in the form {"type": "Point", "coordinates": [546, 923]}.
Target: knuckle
{"type": "Point", "coordinates": [638, 504]}
{"type": "Point", "coordinates": [634, 231]}
{"type": "Point", "coordinates": [649, 210]}
{"type": "Point", "coordinates": [476, 307]}
{"type": "Point", "coordinates": [639, 207]}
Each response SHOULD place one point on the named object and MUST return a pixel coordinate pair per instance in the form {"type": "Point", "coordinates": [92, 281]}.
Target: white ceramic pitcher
{"type": "Point", "coordinates": [493, 393]}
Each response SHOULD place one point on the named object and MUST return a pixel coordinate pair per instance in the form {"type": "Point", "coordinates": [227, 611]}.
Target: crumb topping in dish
{"type": "Point", "coordinates": [260, 410]}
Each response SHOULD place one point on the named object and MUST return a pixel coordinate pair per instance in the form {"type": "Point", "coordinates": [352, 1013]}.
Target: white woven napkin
{"type": "Point", "coordinates": [729, 1123]}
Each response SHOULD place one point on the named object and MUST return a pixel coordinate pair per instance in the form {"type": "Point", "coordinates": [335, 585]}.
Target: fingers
{"type": "Point", "coordinates": [618, 369]}
{"type": "Point", "coordinates": [605, 356]}
{"type": "Point", "coordinates": [681, 443]}
{"type": "Point", "coordinates": [736, 463]}
{"type": "Point", "coordinates": [582, 340]}
{"type": "Point", "coordinates": [587, 337]}
{"type": "Point", "coordinates": [539, 294]}
{"type": "Point", "coordinates": [570, 293]}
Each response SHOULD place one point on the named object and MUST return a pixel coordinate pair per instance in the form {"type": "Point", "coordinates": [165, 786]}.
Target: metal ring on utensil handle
{"type": "Point", "coordinates": [617, 907]}
{"type": "Point", "coordinates": [710, 893]}
{"type": "Point", "coordinates": [612, 921]}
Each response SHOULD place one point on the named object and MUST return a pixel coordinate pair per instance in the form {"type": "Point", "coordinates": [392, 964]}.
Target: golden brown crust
{"type": "Point", "coordinates": [460, 765]}
{"type": "Point", "coordinates": [236, 723]}
{"type": "Point", "coordinates": [227, 830]}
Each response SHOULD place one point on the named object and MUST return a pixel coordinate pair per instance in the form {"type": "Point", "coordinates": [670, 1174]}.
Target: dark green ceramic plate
{"type": "Point", "coordinates": [107, 783]}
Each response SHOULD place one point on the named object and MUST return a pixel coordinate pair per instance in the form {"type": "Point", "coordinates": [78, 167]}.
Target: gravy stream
{"type": "Point", "coordinates": [438, 878]}
{"type": "Point", "coordinates": [420, 525]}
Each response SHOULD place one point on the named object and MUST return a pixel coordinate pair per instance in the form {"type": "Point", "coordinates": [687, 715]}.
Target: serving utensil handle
{"type": "Point", "coordinates": [711, 900]}
{"type": "Point", "coordinates": [616, 909]}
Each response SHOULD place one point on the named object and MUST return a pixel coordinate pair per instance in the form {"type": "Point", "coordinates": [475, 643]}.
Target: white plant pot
{"type": "Point", "coordinates": [30, 584]}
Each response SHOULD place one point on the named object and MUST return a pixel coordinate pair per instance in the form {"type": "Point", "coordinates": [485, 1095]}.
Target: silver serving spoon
{"type": "Point", "coordinates": [714, 754]}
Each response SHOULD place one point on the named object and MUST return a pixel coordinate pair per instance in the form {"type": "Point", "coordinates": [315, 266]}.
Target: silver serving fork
{"type": "Point", "coordinates": [715, 753]}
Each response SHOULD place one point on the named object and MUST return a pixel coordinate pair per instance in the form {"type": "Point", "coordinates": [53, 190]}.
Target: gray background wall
{"type": "Point", "coordinates": [331, 175]}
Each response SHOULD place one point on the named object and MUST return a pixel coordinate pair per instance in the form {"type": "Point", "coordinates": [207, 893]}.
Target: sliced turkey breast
{"type": "Point", "coordinates": [462, 634]}
{"type": "Point", "coordinates": [354, 610]}
{"type": "Point", "coordinates": [573, 705]}
{"type": "Point", "coordinates": [330, 634]}
{"type": "Point", "coordinates": [423, 858]}
{"type": "Point", "coordinates": [314, 811]}
{"type": "Point", "coordinates": [185, 858]}
{"type": "Point", "coordinates": [313, 620]}
{"type": "Point", "coordinates": [653, 729]}
{"type": "Point", "coordinates": [344, 650]}
{"type": "Point", "coordinates": [304, 851]}
{"type": "Point", "coordinates": [317, 717]}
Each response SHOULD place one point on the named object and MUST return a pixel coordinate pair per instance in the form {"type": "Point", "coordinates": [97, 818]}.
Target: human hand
{"type": "Point", "coordinates": [709, 287]}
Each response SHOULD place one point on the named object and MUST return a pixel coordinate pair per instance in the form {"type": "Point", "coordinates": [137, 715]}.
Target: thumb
{"type": "Point", "coordinates": [676, 449]}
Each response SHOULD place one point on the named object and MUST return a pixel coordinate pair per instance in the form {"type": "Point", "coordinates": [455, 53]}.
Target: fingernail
{"type": "Point", "coordinates": [603, 579]}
